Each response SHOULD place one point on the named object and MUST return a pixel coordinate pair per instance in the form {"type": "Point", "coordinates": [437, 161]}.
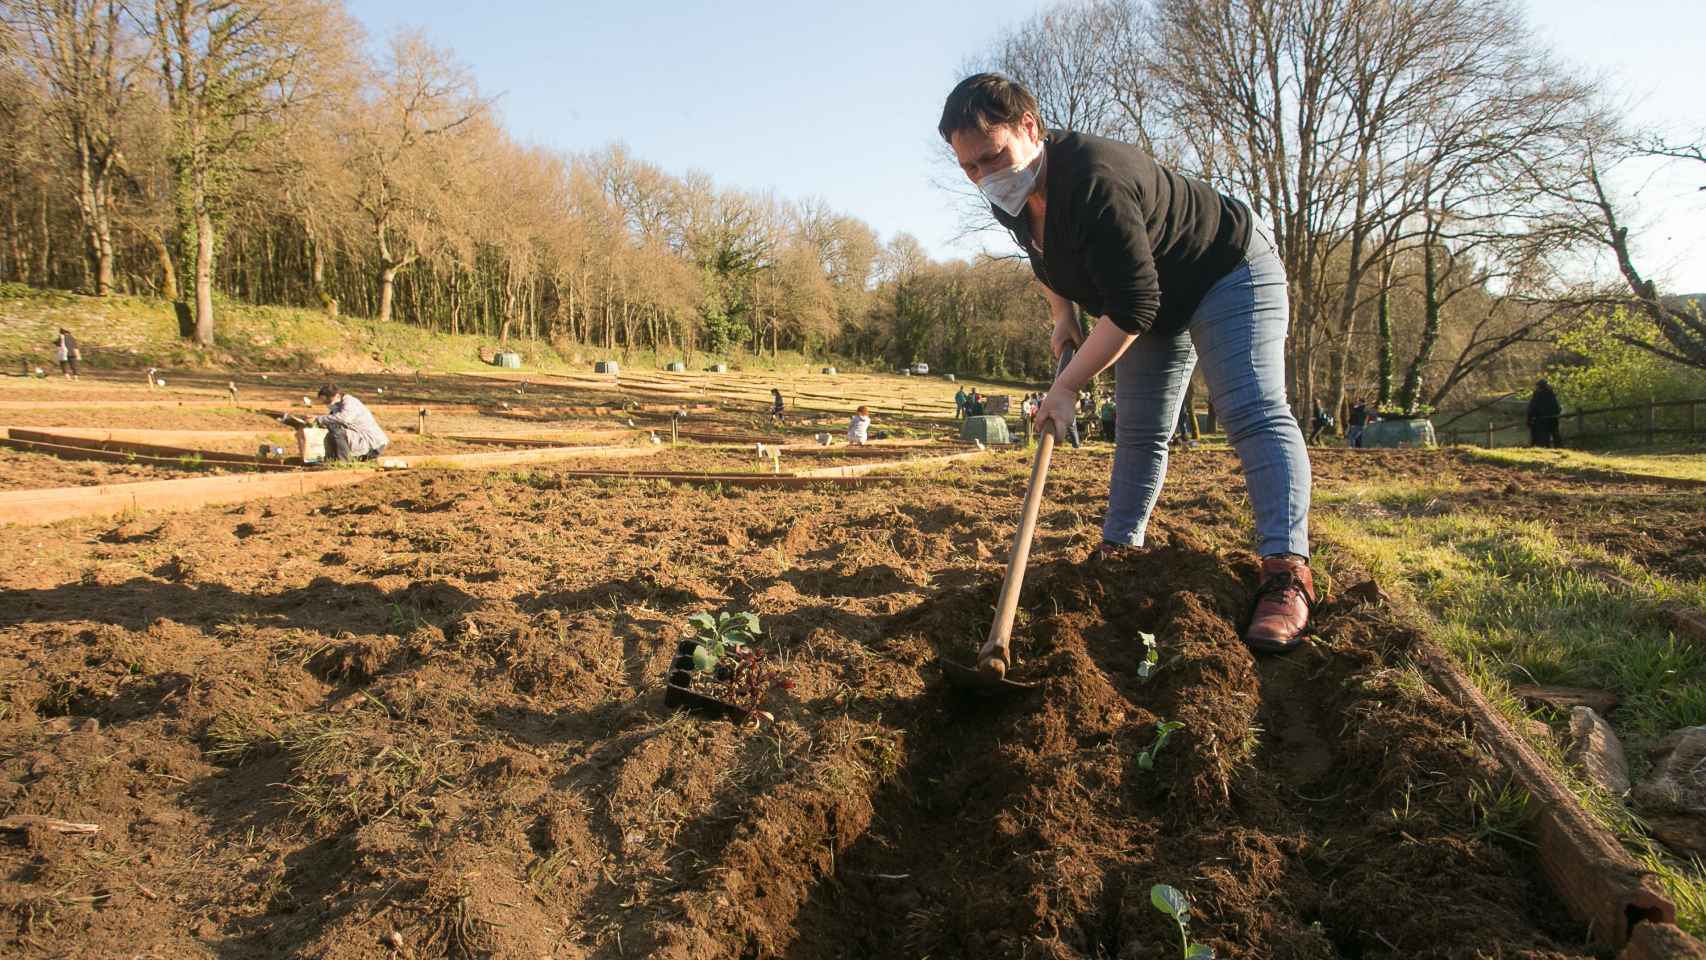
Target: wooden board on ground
{"type": "Point", "coordinates": [156, 451]}
{"type": "Point", "coordinates": [36, 507]}
{"type": "Point", "coordinates": [1602, 885]}
{"type": "Point", "coordinates": [142, 435]}
{"type": "Point", "coordinates": [504, 458]}
{"type": "Point", "coordinates": [170, 461]}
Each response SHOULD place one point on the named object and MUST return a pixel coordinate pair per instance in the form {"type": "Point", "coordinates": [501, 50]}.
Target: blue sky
{"type": "Point", "coordinates": [840, 100]}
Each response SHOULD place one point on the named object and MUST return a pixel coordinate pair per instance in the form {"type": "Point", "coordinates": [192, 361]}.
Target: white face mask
{"type": "Point", "coordinates": [1008, 189]}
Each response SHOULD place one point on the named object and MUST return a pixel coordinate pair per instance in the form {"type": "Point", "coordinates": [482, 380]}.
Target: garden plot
{"type": "Point", "coordinates": [24, 470]}
{"type": "Point", "coordinates": [424, 717]}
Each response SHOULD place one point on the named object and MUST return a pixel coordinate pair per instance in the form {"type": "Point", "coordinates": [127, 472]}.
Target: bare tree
{"type": "Point", "coordinates": [87, 60]}
{"type": "Point", "coordinates": [229, 68]}
{"type": "Point", "coordinates": [403, 152]}
{"type": "Point", "coordinates": [1682, 327]}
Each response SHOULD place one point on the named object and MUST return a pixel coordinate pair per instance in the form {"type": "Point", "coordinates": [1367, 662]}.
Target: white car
{"type": "Point", "coordinates": [921, 368]}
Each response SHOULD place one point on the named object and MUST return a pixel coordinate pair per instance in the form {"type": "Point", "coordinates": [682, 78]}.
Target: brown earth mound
{"type": "Point", "coordinates": [423, 718]}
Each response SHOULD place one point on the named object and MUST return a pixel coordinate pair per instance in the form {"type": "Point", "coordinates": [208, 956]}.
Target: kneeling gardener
{"type": "Point", "coordinates": [1175, 270]}
{"type": "Point", "coordinates": [351, 431]}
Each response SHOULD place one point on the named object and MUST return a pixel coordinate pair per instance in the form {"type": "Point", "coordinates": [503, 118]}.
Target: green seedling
{"type": "Point", "coordinates": [1170, 901]}
{"type": "Point", "coordinates": [1163, 730]}
{"type": "Point", "coordinates": [727, 651]}
{"type": "Point", "coordinates": [1151, 656]}
{"type": "Point", "coordinates": [720, 636]}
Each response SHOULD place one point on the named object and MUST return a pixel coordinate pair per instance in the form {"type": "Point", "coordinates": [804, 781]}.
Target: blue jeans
{"type": "Point", "coordinates": [1239, 332]}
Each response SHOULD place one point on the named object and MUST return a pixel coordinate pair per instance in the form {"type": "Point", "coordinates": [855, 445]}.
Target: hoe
{"type": "Point", "coordinates": [990, 674]}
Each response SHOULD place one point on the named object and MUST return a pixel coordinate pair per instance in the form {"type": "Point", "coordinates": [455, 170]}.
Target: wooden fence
{"type": "Point", "coordinates": [1630, 424]}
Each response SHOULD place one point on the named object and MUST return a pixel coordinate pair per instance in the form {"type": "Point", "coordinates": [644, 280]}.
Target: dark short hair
{"type": "Point", "coordinates": [985, 100]}
{"type": "Point", "coordinates": [328, 391]}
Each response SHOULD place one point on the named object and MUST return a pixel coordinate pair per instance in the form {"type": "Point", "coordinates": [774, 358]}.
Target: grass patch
{"type": "Point", "coordinates": [1504, 597]}
{"type": "Point", "coordinates": [121, 332]}
{"type": "Point", "coordinates": [1682, 463]}
{"type": "Point", "coordinates": [345, 773]}
{"type": "Point", "coordinates": [1507, 591]}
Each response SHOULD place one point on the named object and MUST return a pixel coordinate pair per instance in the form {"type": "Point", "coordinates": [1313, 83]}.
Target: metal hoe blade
{"type": "Point", "coordinates": [976, 681]}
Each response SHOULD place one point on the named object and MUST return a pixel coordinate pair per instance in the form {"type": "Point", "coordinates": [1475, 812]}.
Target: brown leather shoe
{"type": "Point", "coordinates": [1279, 616]}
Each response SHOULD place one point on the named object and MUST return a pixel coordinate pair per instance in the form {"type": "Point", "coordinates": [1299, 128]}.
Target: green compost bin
{"type": "Point", "coordinates": [511, 360]}
{"type": "Point", "coordinates": [990, 430]}
{"type": "Point", "coordinates": [1399, 433]}
{"type": "Point", "coordinates": [676, 366]}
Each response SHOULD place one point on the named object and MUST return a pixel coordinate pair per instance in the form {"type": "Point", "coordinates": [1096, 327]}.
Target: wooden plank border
{"type": "Point", "coordinates": [1601, 884]}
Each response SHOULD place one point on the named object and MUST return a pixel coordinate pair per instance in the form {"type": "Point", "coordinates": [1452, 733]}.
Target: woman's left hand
{"type": "Point", "coordinates": [1058, 409]}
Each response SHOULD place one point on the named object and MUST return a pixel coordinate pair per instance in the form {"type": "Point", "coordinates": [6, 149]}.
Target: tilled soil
{"type": "Point", "coordinates": [430, 708]}
{"type": "Point", "coordinates": [24, 470]}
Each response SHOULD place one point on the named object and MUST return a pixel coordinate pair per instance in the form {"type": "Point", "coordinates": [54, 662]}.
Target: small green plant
{"type": "Point", "coordinates": [1151, 656]}
{"type": "Point", "coordinates": [727, 652]}
{"type": "Point", "coordinates": [720, 636]}
{"type": "Point", "coordinates": [1170, 901]}
{"type": "Point", "coordinates": [1163, 731]}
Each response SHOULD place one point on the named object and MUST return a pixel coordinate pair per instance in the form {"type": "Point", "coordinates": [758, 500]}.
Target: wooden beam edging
{"type": "Point", "coordinates": [179, 462]}
{"type": "Point", "coordinates": [860, 469]}
{"type": "Point", "coordinates": [504, 458]}
{"type": "Point", "coordinates": [148, 435]}
{"type": "Point", "coordinates": [1601, 884]}
{"type": "Point", "coordinates": [38, 507]}
{"type": "Point", "coordinates": [723, 479]}
{"type": "Point", "coordinates": [154, 451]}
{"type": "Point", "coordinates": [142, 401]}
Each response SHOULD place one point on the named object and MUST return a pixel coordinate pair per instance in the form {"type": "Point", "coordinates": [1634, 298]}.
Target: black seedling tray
{"type": "Point", "coordinates": [679, 692]}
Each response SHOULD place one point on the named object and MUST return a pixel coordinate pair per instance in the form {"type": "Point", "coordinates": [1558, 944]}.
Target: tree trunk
{"type": "Point", "coordinates": [203, 276]}
{"type": "Point", "coordinates": [44, 253]}
{"type": "Point", "coordinates": [168, 269]}
{"type": "Point", "coordinates": [317, 277]}
{"type": "Point", "coordinates": [1410, 395]}
{"type": "Point", "coordinates": [20, 259]}
{"type": "Point", "coordinates": [387, 290]}
{"type": "Point", "coordinates": [97, 226]}
{"type": "Point", "coordinates": [1384, 313]}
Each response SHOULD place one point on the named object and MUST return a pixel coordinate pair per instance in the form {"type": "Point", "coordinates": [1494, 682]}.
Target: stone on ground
{"type": "Point", "coordinates": [1677, 781]}
{"type": "Point", "coordinates": [1595, 748]}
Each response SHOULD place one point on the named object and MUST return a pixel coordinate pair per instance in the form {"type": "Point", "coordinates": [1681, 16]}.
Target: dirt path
{"type": "Point", "coordinates": [431, 705]}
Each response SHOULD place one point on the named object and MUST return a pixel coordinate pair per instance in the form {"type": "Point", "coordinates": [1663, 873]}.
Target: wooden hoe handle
{"type": "Point", "coordinates": [994, 656]}
{"type": "Point", "coordinates": [993, 659]}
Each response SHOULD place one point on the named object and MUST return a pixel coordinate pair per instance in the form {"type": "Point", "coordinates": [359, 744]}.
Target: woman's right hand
{"type": "Point", "coordinates": [1067, 333]}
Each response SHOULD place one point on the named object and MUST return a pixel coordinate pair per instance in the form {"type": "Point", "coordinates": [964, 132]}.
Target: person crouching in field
{"type": "Point", "coordinates": [1174, 270]}
{"type": "Point", "coordinates": [859, 427]}
{"type": "Point", "coordinates": [351, 431]}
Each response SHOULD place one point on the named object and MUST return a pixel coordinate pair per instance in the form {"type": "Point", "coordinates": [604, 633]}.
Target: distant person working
{"type": "Point", "coordinates": [1543, 413]}
{"type": "Point", "coordinates": [777, 407]}
{"type": "Point", "coordinates": [65, 351]}
{"type": "Point", "coordinates": [351, 431]}
{"type": "Point", "coordinates": [859, 427]}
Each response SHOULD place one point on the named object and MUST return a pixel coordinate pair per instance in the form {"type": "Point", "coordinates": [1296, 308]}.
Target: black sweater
{"type": "Point", "coordinates": [1129, 239]}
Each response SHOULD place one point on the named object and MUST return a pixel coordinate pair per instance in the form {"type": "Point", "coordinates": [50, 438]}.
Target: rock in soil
{"type": "Point", "coordinates": [1677, 782]}
{"type": "Point", "coordinates": [1683, 835]}
{"type": "Point", "coordinates": [1595, 748]}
